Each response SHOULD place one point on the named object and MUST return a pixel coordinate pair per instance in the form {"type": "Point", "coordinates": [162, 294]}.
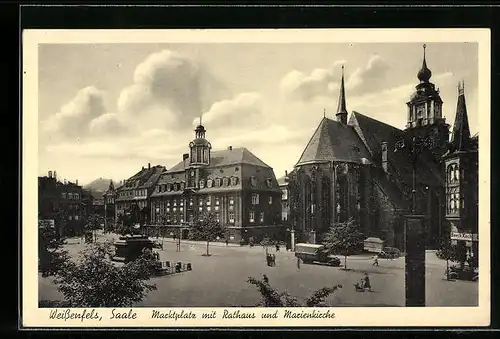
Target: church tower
{"type": "Point", "coordinates": [425, 109]}
{"type": "Point", "coordinates": [342, 107]}
{"type": "Point", "coordinates": [199, 156]}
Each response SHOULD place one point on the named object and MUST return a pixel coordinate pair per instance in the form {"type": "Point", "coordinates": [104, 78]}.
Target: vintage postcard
{"type": "Point", "coordinates": [255, 178]}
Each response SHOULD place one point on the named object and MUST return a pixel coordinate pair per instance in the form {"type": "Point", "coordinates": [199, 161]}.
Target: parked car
{"type": "Point", "coordinates": [456, 273]}
{"type": "Point", "coordinates": [310, 253]}
{"type": "Point", "coordinates": [389, 253]}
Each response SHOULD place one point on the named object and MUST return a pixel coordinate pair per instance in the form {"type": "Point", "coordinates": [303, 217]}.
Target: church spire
{"type": "Point", "coordinates": [342, 108]}
{"type": "Point", "coordinates": [424, 74]}
{"type": "Point", "coordinates": [461, 132]}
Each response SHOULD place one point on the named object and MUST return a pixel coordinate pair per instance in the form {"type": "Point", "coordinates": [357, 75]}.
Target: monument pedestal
{"type": "Point", "coordinates": [129, 248]}
{"type": "Point", "coordinates": [415, 243]}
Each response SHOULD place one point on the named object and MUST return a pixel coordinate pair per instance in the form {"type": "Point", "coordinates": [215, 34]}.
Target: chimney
{"type": "Point", "coordinates": [55, 175]}
{"type": "Point", "coordinates": [384, 156]}
{"type": "Point", "coordinates": [286, 173]}
{"type": "Point", "coordinates": [65, 182]}
{"type": "Point", "coordinates": [230, 148]}
{"type": "Point", "coordinates": [76, 182]}
{"type": "Point", "coordinates": [185, 156]}
{"type": "Point", "coordinates": [143, 168]}
{"type": "Point", "coordinates": [149, 165]}
{"type": "Point", "coordinates": [50, 174]}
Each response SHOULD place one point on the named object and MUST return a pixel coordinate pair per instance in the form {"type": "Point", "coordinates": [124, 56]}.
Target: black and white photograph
{"type": "Point", "coordinates": [306, 171]}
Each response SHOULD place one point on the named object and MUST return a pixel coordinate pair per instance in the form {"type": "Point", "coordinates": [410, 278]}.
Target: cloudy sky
{"type": "Point", "coordinates": [106, 110]}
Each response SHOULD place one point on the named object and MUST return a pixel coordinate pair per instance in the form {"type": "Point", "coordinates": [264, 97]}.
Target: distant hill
{"type": "Point", "coordinates": [98, 185]}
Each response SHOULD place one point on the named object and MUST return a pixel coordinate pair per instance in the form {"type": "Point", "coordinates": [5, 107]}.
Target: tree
{"type": "Point", "coordinates": [51, 255]}
{"type": "Point", "coordinates": [272, 298]}
{"type": "Point", "coordinates": [447, 252]}
{"type": "Point", "coordinates": [208, 229]}
{"type": "Point", "coordinates": [94, 281]}
{"type": "Point", "coordinates": [93, 222]}
{"type": "Point", "coordinates": [343, 238]}
{"type": "Point", "coordinates": [266, 242]}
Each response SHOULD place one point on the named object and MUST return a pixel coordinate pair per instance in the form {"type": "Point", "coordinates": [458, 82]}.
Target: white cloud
{"type": "Point", "coordinates": [169, 90]}
{"type": "Point", "coordinates": [243, 110]}
{"type": "Point", "coordinates": [325, 82]}
{"type": "Point", "coordinates": [107, 125]}
{"type": "Point", "coordinates": [72, 121]}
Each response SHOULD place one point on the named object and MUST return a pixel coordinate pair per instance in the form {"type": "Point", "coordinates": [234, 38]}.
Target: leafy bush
{"type": "Point", "coordinates": [51, 255]}
{"type": "Point", "coordinates": [272, 298]}
{"type": "Point", "coordinates": [94, 281]}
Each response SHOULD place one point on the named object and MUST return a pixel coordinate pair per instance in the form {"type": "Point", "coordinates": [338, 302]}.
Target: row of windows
{"type": "Point", "coordinates": [255, 199]}
{"type": "Point", "coordinates": [161, 209]}
{"type": "Point", "coordinates": [454, 202]}
{"type": "Point", "coordinates": [70, 196]}
{"type": "Point", "coordinates": [251, 217]}
{"type": "Point", "coordinates": [137, 193]}
{"type": "Point", "coordinates": [453, 173]}
{"type": "Point", "coordinates": [208, 207]}
{"type": "Point", "coordinates": [174, 219]}
{"type": "Point", "coordinates": [219, 182]}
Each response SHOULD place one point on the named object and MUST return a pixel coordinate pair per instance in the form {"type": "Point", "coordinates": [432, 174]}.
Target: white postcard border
{"type": "Point", "coordinates": [32, 316]}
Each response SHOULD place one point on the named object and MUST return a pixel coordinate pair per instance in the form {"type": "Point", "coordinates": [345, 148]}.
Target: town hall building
{"type": "Point", "coordinates": [234, 184]}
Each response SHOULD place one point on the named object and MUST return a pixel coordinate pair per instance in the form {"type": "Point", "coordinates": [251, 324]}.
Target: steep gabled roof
{"type": "Point", "coordinates": [334, 141]}
{"type": "Point", "coordinates": [227, 157]}
{"type": "Point", "coordinates": [374, 132]}
{"type": "Point", "coordinates": [460, 138]}
{"type": "Point", "coordinates": [154, 174]}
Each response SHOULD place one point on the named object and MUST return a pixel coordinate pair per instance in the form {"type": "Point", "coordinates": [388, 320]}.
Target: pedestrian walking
{"type": "Point", "coordinates": [375, 260]}
{"type": "Point", "coordinates": [298, 263]}
{"type": "Point", "coordinates": [227, 242]}
{"type": "Point", "coordinates": [273, 259]}
{"type": "Point", "coordinates": [277, 247]}
{"type": "Point", "coordinates": [266, 279]}
{"type": "Point", "coordinates": [367, 284]}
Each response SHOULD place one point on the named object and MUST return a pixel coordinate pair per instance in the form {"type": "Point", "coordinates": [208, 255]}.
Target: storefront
{"type": "Point", "coordinates": [466, 241]}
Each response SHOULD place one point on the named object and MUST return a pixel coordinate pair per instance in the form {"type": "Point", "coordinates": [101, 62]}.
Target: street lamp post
{"type": "Point", "coordinates": [414, 237]}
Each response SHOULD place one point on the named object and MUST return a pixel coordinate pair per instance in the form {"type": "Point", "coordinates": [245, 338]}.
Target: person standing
{"type": "Point", "coordinates": [367, 284]}
{"type": "Point", "coordinates": [227, 242]}
{"type": "Point", "coordinates": [298, 263]}
{"type": "Point", "coordinates": [375, 260]}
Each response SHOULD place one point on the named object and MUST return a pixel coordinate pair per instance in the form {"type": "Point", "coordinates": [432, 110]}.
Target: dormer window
{"type": "Point", "coordinates": [169, 187]}
{"type": "Point", "coordinates": [269, 182]}
{"type": "Point", "coordinates": [210, 183]}
{"type": "Point", "coordinates": [202, 184]}
{"type": "Point", "coordinates": [182, 185]}
{"type": "Point", "coordinates": [225, 181]}
{"type": "Point", "coordinates": [234, 181]}
{"type": "Point", "coordinates": [217, 182]}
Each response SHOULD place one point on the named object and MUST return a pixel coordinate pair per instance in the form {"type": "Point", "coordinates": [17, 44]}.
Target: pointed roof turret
{"type": "Point", "coordinates": [461, 133]}
{"type": "Point", "coordinates": [425, 73]}
{"type": "Point", "coordinates": [342, 107]}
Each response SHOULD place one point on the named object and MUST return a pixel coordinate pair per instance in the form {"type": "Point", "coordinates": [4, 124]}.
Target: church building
{"type": "Point", "coordinates": [355, 169]}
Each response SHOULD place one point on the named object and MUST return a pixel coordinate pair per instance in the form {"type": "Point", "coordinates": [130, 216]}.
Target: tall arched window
{"type": "Point", "coordinates": [307, 203]}
{"type": "Point", "coordinates": [326, 201]}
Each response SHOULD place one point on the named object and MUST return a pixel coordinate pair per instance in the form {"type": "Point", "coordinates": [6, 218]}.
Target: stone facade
{"type": "Point", "coordinates": [234, 184]}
